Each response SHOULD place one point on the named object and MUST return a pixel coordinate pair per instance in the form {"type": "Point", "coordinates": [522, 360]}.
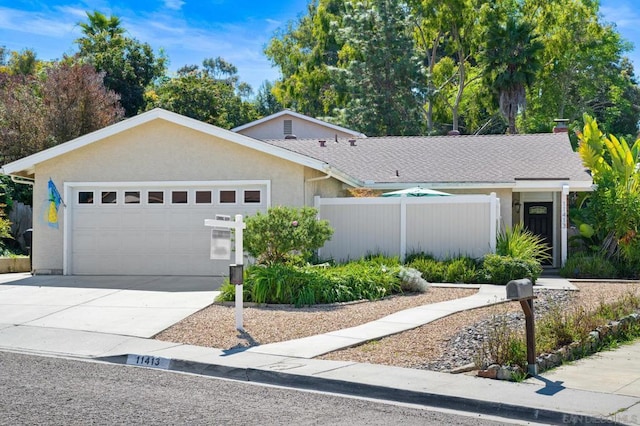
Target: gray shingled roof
{"type": "Point", "coordinates": [449, 159]}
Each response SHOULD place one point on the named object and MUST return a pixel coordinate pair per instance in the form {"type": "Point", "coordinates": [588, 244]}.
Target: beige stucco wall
{"type": "Point", "coordinates": [274, 129]}
{"type": "Point", "coordinates": [155, 151]}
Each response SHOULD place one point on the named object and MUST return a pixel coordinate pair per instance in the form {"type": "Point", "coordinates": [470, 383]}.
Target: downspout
{"type": "Point", "coordinates": [22, 180]}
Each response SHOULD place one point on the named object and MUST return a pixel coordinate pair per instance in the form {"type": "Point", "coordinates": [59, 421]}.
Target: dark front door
{"type": "Point", "coordinates": [538, 218]}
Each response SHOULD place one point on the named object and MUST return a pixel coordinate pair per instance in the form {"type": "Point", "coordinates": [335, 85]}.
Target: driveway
{"type": "Point", "coordinates": [139, 306]}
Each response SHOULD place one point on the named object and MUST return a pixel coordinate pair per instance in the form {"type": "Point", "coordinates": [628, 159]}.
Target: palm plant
{"type": "Point", "coordinates": [511, 63]}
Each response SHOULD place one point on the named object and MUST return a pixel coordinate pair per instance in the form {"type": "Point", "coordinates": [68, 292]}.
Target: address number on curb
{"type": "Point", "coordinates": [148, 361]}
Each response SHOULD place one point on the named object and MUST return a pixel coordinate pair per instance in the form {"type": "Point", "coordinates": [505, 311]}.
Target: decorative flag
{"type": "Point", "coordinates": [54, 202]}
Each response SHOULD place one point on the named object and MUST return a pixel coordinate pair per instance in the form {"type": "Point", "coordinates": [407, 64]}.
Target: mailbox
{"type": "Point", "coordinates": [520, 289]}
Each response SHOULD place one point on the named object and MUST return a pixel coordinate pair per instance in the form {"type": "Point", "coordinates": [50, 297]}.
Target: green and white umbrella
{"type": "Point", "coordinates": [415, 192]}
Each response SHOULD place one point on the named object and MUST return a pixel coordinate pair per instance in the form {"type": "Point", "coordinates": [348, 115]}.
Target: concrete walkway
{"type": "Point", "coordinates": [314, 346]}
{"type": "Point", "coordinates": [546, 399]}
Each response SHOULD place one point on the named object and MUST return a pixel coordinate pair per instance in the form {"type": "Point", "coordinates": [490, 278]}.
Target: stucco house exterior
{"type": "Point", "coordinates": [134, 195]}
{"type": "Point", "coordinates": [288, 124]}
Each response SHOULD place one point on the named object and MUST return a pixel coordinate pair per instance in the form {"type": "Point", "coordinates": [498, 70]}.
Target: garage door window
{"type": "Point", "coordinates": [203, 197]}
{"type": "Point", "coordinates": [85, 197]}
{"type": "Point", "coordinates": [109, 197]}
{"type": "Point", "coordinates": [132, 197]}
{"type": "Point", "coordinates": [155, 197]}
{"type": "Point", "coordinates": [179, 197]}
{"type": "Point", "coordinates": [252, 197]}
{"type": "Point", "coordinates": [227, 197]}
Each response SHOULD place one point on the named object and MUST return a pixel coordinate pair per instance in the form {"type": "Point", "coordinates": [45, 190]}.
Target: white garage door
{"type": "Point", "coordinates": [146, 229]}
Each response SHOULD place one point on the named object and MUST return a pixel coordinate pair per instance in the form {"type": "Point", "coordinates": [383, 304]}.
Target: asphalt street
{"type": "Point", "coordinates": [59, 391]}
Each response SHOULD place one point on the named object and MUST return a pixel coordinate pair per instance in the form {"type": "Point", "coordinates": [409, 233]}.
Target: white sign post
{"type": "Point", "coordinates": [237, 226]}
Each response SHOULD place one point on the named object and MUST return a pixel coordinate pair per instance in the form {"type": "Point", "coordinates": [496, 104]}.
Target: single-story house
{"type": "Point", "coordinates": [134, 195]}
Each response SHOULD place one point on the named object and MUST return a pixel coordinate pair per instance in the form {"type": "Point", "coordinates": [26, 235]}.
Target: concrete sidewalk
{"type": "Point", "coordinates": [547, 399]}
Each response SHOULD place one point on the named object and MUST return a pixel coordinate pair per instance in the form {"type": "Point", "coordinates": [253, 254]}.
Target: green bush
{"type": "Point", "coordinates": [461, 270]}
{"type": "Point", "coordinates": [502, 269]}
{"type": "Point", "coordinates": [285, 235]}
{"type": "Point", "coordinates": [583, 265]}
{"type": "Point", "coordinates": [432, 270]}
{"type": "Point", "coordinates": [519, 243]}
{"type": "Point", "coordinates": [308, 285]}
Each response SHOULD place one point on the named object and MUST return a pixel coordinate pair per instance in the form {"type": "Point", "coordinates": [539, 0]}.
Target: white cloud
{"type": "Point", "coordinates": [173, 4]}
{"type": "Point", "coordinates": [36, 23]}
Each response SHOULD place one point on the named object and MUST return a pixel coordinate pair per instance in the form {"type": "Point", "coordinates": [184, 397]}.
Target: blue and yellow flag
{"type": "Point", "coordinates": [54, 203]}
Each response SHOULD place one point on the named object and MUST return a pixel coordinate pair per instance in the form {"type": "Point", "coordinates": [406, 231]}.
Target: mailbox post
{"type": "Point", "coordinates": [522, 291]}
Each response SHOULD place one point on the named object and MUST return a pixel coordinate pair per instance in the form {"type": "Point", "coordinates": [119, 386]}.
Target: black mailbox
{"type": "Point", "coordinates": [520, 289]}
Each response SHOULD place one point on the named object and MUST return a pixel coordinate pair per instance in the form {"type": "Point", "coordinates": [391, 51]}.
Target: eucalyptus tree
{"type": "Point", "coordinates": [128, 64]}
{"type": "Point", "coordinates": [304, 52]}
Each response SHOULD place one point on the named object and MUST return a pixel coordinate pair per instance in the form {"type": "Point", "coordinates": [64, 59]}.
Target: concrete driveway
{"type": "Point", "coordinates": [139, 306]}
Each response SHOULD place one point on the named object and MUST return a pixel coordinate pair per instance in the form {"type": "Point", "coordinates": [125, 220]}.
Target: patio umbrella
{"type": "Point", "coordinates": [415, 192]}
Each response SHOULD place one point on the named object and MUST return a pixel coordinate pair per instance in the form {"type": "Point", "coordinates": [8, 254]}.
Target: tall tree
{"type": "Point", "coordinates": [266, 102]}
{"type": "Point", "coordinates": [511, 61]}
{"type": "Point", "coordinates": [76, 101]}
{"type": "Point", "coordinates": [583, 69]}
{"type": "Point", "coordinates": [128, 64]}
{"type": "Point", "coordinates": [211, 94]}
{"type": "Point", "coordinates": [305, 52]}
{"type": "Point", "coordinates": [65, 101]}
{"type": "Point", "coordinates": [381, 75]}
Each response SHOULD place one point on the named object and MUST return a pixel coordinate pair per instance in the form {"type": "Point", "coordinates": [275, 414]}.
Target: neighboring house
{"type": "Point", "coordinates": [136, 193]}
{"type": "Point", "coordinates": [289, 124]}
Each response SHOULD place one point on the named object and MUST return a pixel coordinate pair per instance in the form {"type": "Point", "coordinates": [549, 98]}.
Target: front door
{"type": "Point", "coordinates": [538, 218]}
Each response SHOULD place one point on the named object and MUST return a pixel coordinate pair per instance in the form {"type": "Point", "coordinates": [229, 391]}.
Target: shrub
{"type": "Point", "coordinates": [432, 270]}
{"type": "Point", "coordinates": [461, 270]}
{"type": "Point", "coordinates": [520, 243]}
{"type": "Point", "coordinates": [412, 281]}
{"type": "Point", "coordinates": [583, 265]}
{"type": "Point", "coordinates": [285, 234]}
{"type": "Point", "coordinates": [502, 269]}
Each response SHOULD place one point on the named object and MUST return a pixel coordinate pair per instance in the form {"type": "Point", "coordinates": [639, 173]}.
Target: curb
{"type": "Point", "coordinates": [476, 406]}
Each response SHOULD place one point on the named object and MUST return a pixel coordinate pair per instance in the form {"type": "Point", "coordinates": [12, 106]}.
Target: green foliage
{"type": "Point", "coordinates": [432, 270]}
{"type": "Point", "coordinates": [211, 94]}
{"type": "Point", "coordinates": [502, 345]}
{"type": "Point", "coordinates": [285, 234]}
{"type": "Point", "coordinates": [585, 265]}
{"type": "Point", "coordinates": [461, 270]}
{"type": "Point", "coordinates": [382, 77]}
{"type": "Point", "coordinates": [614, 206]}
{"type": "Point", "coordinates": [520, 243]}
{"type": "Point", "coordinates": [511, 60]}
{"type": "Point", "coordinates": [502, 269]}
{"type": "Point", "coordinates": [128, 64]}
{"type": "Point", "coordinates": [308, 285]}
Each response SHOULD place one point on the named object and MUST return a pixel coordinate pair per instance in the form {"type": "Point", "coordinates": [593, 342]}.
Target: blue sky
{"type": "Point", "coordinates": [190, 31]}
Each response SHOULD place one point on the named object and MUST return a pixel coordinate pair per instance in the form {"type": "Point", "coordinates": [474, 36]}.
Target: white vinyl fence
{"type": "Point", "coordinates": [396, 226]}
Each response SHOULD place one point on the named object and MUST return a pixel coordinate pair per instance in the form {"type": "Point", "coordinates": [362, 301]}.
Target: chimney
{"type": "Point", "coordinates": [561, 125]}
{"type": "Point", "coordinates": [352, 142]}
{"type": "Point", "coordinates": [322, 143]}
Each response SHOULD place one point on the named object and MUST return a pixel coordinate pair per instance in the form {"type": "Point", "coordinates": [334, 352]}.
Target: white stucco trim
{"type": "Point", "coordinates": [517, 186]}
{"type": "Point", "coordinates": [27, 164]}
{"type": "Point", "coordinates": [301, 117]}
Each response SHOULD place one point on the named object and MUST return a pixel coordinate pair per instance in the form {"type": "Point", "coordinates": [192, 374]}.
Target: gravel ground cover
{"type": "Point", "coordinates": [440, 345]}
